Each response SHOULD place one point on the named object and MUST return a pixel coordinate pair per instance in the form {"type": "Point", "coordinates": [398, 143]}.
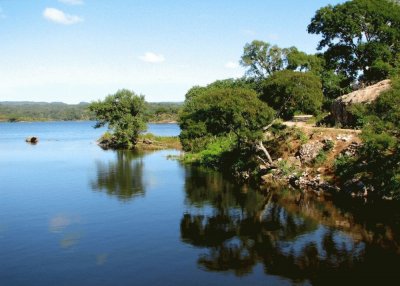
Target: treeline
{"type": "Point", "coordinates": [58, 111]}
{"type": "Point", "coordinates": [43, 111]}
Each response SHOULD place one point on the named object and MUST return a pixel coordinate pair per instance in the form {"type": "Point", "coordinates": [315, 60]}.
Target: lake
{"type": "Point", "coordinates": [74, 214]}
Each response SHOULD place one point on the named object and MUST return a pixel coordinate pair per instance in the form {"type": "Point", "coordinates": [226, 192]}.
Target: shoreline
{"type": "Point", "coordinates": [32, 121]}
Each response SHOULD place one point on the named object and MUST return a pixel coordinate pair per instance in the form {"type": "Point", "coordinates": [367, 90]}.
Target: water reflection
{"type": "Point", "coordinates": [66, 226]}
{"type": "Point", "coordinates": [122, 177]}
{"type": "Point", "coordinates": [295, 235]}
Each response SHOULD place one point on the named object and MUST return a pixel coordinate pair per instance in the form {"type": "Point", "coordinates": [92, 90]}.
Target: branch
{"type": "Point", "coordinates": [261, 147]}
{"type": "Point", "coordinates": [269, 125]}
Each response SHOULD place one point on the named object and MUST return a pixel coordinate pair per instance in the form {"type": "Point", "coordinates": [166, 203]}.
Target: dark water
{"type": "Point", "coordinates": [73, 214]}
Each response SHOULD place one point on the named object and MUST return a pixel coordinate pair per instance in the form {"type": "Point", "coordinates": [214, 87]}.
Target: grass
{"type": "Point", "coordinates": [150, 141]}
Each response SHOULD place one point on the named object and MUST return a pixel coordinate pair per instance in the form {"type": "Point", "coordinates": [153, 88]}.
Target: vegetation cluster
{"type": "Point", "coordinates": [232, 124]}
{"type": "Point", "coordinates": [43, 111]}
{"type": "Point", "coordinates": [229, 123]}
{"type": "Point", "coordinates": [13, 111]}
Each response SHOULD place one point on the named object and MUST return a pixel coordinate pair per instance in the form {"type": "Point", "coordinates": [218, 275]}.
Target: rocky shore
{"type": "Point", "coordinates": [310, 162]}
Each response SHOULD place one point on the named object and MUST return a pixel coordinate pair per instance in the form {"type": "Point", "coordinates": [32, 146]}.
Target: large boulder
{"type": "Point", "coordinates": [339, 109]}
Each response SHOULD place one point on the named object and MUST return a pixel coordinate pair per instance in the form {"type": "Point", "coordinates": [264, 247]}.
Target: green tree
{"type": "Point", "coordinates": [217, 112]}
{"type": "Point", "coordinates": [262, 59]}
{"type": "Point", "coordinates": [300, 61]}
{"type": "Point", "coordinates": [361, 37]}
{"type": "Point", "coordinates": [292, 92]}
{"type": "Point", "coordinates": [123, 113]}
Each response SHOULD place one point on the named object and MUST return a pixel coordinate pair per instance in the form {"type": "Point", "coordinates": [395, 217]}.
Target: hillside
{"type": "Point", "coordinates": [14, 111]}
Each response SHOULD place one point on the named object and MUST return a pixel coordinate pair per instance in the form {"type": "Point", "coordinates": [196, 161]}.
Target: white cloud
{"type": "Point", "coordinates": [59, 17]}
{"type": "Point", "coordinates": [232, 65]}
{"type": "Point", "coordinates": [71, 2]}
{"type": "Point", "coordinates": [150, 57]}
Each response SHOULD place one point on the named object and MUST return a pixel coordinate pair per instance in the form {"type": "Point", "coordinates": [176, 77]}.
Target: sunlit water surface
{"type": "Point", "coordinates": [74, 214]}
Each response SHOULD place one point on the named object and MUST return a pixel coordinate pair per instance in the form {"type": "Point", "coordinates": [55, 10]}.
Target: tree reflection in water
{"type": "Point", "coordinates": [122, 177]}
{"type": "Point", "coordinates": [295, 235]}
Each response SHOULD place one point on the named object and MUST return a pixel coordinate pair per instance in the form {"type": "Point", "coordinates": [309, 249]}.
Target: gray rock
{"type": "Point", "coordinates": [340, 111]}
{"type": "Point", "coordinates": [309, 151]}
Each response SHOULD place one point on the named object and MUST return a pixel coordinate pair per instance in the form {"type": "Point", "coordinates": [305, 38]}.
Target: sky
{"type": "Point", "coordinates": [83, 50]}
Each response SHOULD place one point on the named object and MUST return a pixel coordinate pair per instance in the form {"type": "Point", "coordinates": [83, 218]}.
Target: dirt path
{"type": "Point", "coordinates": [311, 127]}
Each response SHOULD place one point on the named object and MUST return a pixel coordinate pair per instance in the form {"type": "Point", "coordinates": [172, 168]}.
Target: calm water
{"type": "Point", "coordinates": [73, 214]}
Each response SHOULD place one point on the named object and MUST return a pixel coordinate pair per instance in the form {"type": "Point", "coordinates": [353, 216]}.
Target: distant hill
{"type": "Point", "coordinates": [59, 111]}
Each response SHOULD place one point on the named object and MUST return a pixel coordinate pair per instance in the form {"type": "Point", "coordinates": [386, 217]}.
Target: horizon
{"type": "Point", "coordinates": [81, 50]}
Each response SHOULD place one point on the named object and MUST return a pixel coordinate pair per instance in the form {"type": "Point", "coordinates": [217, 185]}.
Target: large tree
{"type": "Point", "coordinates": [211, 112]}
{"type": "Point", "coordinates": [361, 38]}
{"type": "Point", "coordinates": [123, 113]}
{"type": "Point", "coordinates": [262, 60]}
{"type": "Point", "coordinates": [292, 92]}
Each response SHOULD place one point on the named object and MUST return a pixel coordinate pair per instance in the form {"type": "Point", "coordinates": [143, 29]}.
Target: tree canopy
{"type": "Point", "coordinates": [123, 113]}
{"type": "Point", "coordinates": [361, 38]}
{"type": "Point", "coordinates": [262, 60]}
{"type": "Point", "coordinates": [220, 112]}
{"type": "Point", "coordinates": [292, 92]}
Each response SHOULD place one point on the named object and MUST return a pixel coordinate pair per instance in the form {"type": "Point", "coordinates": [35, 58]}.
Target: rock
{"type": "Point", "coordinates": [32, 140]}
{"type": "Point", "coordinates": [309, 151]}
{"type": "Point", "coordinates": [339, 109]}
{"type": "Point", "coordinates": [344, 137]}
{"type": "Point", "coordinates": [351, 150]}
{"type": "Point", "coordinates": [147, 141]}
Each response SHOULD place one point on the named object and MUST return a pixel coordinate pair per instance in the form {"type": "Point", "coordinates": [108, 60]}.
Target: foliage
{"type": "Point", "coordinates": [300, 61]}
{"type": "Point", "coordinates": [361, 37]}
{"type": "Point", "coordinates": [42, 111]}
{"type": "Point", "coordinates": [246, 83]}
{"type": "Point", "coordinates": [213, 112]}
{"type": "Point", "coordinates": [263, 60]}
{"type": "Point", "coordinates": [334, 84]}
{"type": "Point", "coordinates": [214, 152]}
{"type": "Point", "coordinates": [57, 111]}
{"type": "Point", "coordinates": [162, 111]}
{"type": "Point", "coordinates": [286, 168]}
{"type": "Point", "coordinates": [123, 113]}
{"type": "Point", "coordinates": [378, 162]}
{"type": "Point", "coordinates": [149, 141]}
{"type": "Point", "coordinates": [293, 92]}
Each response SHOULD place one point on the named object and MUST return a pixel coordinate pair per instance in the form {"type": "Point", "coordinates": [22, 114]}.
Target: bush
{"type": "Point", "coordinates": [214, 112]}
{"type": "Point", "coordinates": [293, 92]}
{"type": "Point", "coordinates": [378, 162]}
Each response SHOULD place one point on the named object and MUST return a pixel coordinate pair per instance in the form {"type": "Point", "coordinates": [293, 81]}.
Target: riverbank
{"type": "Point", "coordinates": [145, 142]}
{"type": "Point", "coordinates": [305, 157]}
{"type": "Point", "coordinates": [150, 142]}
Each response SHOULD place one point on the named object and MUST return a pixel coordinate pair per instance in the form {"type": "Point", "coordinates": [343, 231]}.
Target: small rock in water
{"type": "Point", "coordinates": [32, 140]}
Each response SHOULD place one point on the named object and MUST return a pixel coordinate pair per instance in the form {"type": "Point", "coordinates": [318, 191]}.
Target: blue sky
{"type": "Point", "coordinates": [83, 50]}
